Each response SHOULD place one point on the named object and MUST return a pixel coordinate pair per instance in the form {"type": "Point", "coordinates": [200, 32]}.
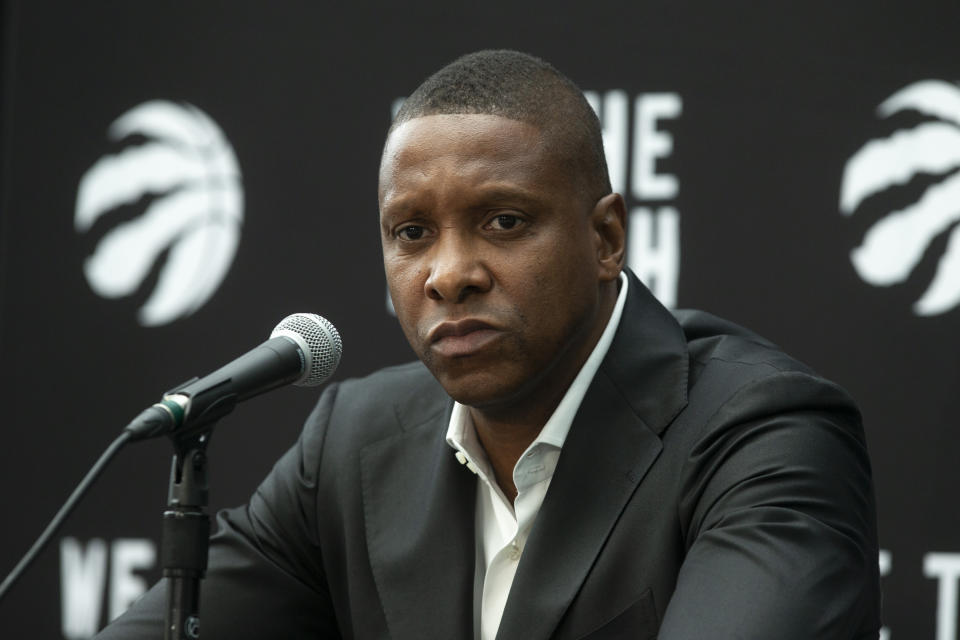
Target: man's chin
{"type": "Point", "coordinates": [477, 389]}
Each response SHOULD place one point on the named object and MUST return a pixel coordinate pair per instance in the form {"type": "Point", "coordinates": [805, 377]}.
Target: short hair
{"type": "Point", "coordinates": [521, 87]}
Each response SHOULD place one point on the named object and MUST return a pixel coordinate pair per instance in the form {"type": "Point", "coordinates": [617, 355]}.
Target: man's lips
{"type": "Point", "coordinates": [461, 338]}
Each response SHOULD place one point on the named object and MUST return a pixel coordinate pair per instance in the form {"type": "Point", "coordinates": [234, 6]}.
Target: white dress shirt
{"type": "Point", "coordinates": [502, 528]}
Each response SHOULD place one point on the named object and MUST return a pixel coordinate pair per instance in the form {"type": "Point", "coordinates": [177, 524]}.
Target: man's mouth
{"type": "Point", "coordinates": [462, 338]}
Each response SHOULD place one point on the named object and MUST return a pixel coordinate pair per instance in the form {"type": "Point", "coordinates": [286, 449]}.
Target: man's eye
{"type": "Point", "coordinates": [411, 232]}
{"type": "Point", "coordinates": [505, 222]}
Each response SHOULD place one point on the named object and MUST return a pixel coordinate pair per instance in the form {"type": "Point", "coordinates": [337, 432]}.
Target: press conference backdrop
{"type": "Point", "coordinates": [178, 177]}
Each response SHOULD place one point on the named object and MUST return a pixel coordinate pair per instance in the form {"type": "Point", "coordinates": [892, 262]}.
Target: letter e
{"type": "Point", "coordinates": [650, 143]}
{"type": "Point", "coordinates": [127, 556]}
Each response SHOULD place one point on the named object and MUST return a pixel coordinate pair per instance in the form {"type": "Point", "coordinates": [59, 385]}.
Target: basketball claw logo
{"type": "Point", "coordinates": [194, 211]}
{"type": "Point", "coordinates": [893, 247]}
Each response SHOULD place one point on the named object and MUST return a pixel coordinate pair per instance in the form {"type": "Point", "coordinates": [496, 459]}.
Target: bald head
{"type": "Point", "coordinates": [520, 87]}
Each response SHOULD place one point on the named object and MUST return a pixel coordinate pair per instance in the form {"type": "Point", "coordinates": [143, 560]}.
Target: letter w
{"type": "Point", "coordinates": [82, 582]}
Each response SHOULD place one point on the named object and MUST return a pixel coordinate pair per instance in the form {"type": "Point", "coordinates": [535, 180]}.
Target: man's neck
{"type": "Point", "coordinates": [506, 435]}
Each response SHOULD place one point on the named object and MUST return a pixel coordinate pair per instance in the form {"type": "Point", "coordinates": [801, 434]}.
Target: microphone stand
{"type": "Point", "coordinates": [186, 530]}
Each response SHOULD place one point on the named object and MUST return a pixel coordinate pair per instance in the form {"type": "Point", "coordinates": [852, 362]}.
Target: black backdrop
{"type": "Point", "coordinates": [735, 128]}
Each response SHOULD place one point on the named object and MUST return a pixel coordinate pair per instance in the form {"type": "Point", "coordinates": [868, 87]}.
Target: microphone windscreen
{"type": "Point", "coordinates": [320, 342]}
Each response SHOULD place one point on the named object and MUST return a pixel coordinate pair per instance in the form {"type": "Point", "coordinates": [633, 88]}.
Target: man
{"type": "Point", "coordinates": [569, 460]}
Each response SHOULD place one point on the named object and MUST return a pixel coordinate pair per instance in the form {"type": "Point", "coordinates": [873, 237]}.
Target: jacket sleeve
{"type": "Point", "coordinates": [265, 577]}
{"type": "Point", "coordinates": [778, 505]}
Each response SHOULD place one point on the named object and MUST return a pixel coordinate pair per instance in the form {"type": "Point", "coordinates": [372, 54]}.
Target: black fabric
{"type": "Point", "coordinates": [710, 487]}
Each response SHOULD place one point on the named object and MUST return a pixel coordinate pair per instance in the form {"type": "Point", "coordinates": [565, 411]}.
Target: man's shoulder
{"type": "Point", "coordinates": [690, 364]}
{"type": "Point", "coordinates": [712, 340]}
{"type": "Point", "coordinates": [741, 371]}
{"type": "Point", "coordinates": [396, 378]}
{"type": "Point", "coordinates": [403, 385]}
{"type": "Point", "coordinates": [377, 404]}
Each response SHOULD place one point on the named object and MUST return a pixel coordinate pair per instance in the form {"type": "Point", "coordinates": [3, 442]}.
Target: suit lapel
{"type": "Point", "coordinates": [614, 439]}
{"type": "Point", "coordinates": [586, 496]}
{"type": "Point", "coordinates": [419, 518]}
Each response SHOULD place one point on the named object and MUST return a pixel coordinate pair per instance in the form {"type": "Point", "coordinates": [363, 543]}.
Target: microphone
{"type": "Point", "coordinates": [304, 349]}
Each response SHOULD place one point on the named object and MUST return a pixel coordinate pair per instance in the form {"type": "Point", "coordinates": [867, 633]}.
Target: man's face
{"type": "Point", "coordinates": [491, 256]}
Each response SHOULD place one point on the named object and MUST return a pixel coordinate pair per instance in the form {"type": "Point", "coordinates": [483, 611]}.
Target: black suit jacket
{"type": "Point", "coordinates": [710, 487]}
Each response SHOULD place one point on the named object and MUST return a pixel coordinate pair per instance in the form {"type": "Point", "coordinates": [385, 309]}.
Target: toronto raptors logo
{"type": "Point", "coordinates": [893, 246]}
{"type": "Point", "coordinates": [187, 174]}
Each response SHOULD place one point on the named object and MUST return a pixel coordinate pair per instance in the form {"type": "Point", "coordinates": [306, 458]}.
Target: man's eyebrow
{"type": "Point", "coordinates": [398, 205]}
{"type": "Point", "coordinates": [507, 193]}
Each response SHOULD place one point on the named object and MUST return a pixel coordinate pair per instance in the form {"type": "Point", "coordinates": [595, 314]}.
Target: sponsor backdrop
{"type": "Point", "coordinates": [178, 178]}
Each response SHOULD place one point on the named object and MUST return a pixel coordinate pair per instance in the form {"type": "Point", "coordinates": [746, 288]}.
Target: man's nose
{"type": "Point", "coordinates": [457, 269]}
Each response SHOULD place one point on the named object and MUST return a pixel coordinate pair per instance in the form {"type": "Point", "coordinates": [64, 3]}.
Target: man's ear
{"type": "Point", "coordinates": [609, 221]}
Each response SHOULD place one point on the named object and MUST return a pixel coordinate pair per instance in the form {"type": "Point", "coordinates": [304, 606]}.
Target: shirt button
{"type": "Point", "coordinates": [514, 551]}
